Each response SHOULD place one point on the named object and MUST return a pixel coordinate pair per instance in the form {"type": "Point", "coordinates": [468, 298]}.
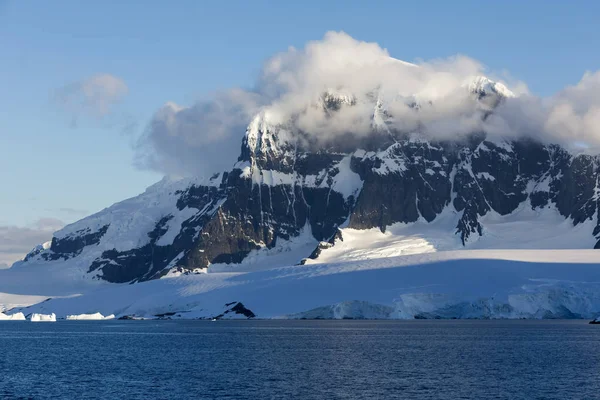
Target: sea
{"type": "Point", "coordinates": [283, 359]}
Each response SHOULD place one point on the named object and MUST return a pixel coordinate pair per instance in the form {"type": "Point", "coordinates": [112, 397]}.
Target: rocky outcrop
{"type": "Point", "coordinates": [74, 244]}
{"type": "Point", "coordinates": [235, 310]}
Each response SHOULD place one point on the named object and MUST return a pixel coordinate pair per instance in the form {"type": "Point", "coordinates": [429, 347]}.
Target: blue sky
{"type": "Point", "coordinates": [57, 163]}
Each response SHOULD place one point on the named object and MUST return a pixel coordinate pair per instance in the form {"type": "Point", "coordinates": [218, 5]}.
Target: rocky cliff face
{"type": "Point", "coordinates": [281, 187]}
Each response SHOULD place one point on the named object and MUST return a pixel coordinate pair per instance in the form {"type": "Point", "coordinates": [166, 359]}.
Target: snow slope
{"type": "Point", "coordinates": [411, 270]}
{"type": "Point", "coordinates": [451, 284]}
{"type": "Point", "coordinates": [126, 226]}
{"type": "Point", "coordinates": [525, 228]}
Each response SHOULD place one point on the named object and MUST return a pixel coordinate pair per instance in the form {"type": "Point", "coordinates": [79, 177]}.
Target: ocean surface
{"type": "Point", "coordinates": [300, 360]}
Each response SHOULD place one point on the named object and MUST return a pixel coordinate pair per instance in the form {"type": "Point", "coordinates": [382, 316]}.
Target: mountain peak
{"type": "Point", "coordinates": [484, 86]}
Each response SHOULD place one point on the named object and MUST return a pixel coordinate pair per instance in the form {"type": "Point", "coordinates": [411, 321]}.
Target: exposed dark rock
{"type": "Point", "coordinates": [127, 318]}
{"type": "Point", "coordinates": [73, 244]}
{"type": "Point", "coordinates": [317, 251]}
{"type": "Point", "coordinates": [238, 308]}
{"type": "Point", "coordinates": [167, 314]}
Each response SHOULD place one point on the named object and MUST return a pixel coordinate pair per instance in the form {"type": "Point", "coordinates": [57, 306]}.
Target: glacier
{"type": "Point", "coordinates": [445, 284]}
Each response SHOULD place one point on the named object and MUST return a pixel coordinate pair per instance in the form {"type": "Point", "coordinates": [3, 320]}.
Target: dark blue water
{"type": "Point", "coordinates": [300, 359]}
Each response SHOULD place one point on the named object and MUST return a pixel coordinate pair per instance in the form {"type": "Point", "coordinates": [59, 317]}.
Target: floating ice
{"type": "Point", "coordinates": [13, 317]}
{"type": "Point", "coordinates": [90, 317]}
{"type": "Point", "coordinates": [42, 317]}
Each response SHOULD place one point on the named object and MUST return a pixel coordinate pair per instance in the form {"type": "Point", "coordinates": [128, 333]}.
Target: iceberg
{"type": "Point", "coordinates": [13, 317]}
{"type": "Point", "coordinates": [90, 317]}
{"type": "Point", "coordinates": [42, 317]}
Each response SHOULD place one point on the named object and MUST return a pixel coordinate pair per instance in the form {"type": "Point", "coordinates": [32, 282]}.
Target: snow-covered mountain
{"type": "Point", "coordinates": [349, 203]}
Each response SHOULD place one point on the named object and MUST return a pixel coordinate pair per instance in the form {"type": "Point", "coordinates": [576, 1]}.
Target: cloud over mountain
{"type": "Point", "coordinates": [296, 89]}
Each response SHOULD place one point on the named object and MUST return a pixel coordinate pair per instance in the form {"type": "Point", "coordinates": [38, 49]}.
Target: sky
{"type": "Point", "coordinates": [80, 82]}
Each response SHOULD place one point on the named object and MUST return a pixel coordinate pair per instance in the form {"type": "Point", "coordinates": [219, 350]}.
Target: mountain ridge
{"type": "Point", "coordinates": [286, 181]}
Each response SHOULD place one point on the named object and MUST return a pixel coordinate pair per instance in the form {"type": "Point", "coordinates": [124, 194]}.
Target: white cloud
{"type": "Point", "coordinates": [571, 117]}
{"type": "Point", "coordinates": [206, 137]}
{"type": "Point", "coordinates": [200, 139]}
{"type": "Point", "coordinates": [93, 97]}
{"type": "Point", "coordinates": [17, 241]}
{"type": "Point", "coordinates": [575, 111]}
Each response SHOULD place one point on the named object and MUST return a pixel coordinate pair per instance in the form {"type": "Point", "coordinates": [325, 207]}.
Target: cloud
{"type": "Point", "coordinates": [200, 139]}
{"type": "Point", "coordinates": [93, 97]}
{"type": "Point", "coordinates": [571, 117]}
{"type": "Point", "coordinates": [575, 111]}
{"type": "Point", "coordinates": [336, 85]}
{"type": "Point", "coordinates": [16, 241]}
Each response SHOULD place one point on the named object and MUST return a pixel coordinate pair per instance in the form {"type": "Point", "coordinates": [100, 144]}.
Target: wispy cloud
{"type": "Point", "coordinates": [93, 97]}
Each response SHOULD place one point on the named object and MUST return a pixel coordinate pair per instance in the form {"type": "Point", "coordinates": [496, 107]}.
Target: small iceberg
{"type": "Point", "coordinates": [13, 317]}
{"type": "Point", "coordinates": [42, 317]}
{"type": "Point", "coordinates": [90, 317]}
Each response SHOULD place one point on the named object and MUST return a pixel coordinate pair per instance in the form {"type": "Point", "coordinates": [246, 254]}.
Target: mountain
{"type": "Point", "coordinates": [296, 199]}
